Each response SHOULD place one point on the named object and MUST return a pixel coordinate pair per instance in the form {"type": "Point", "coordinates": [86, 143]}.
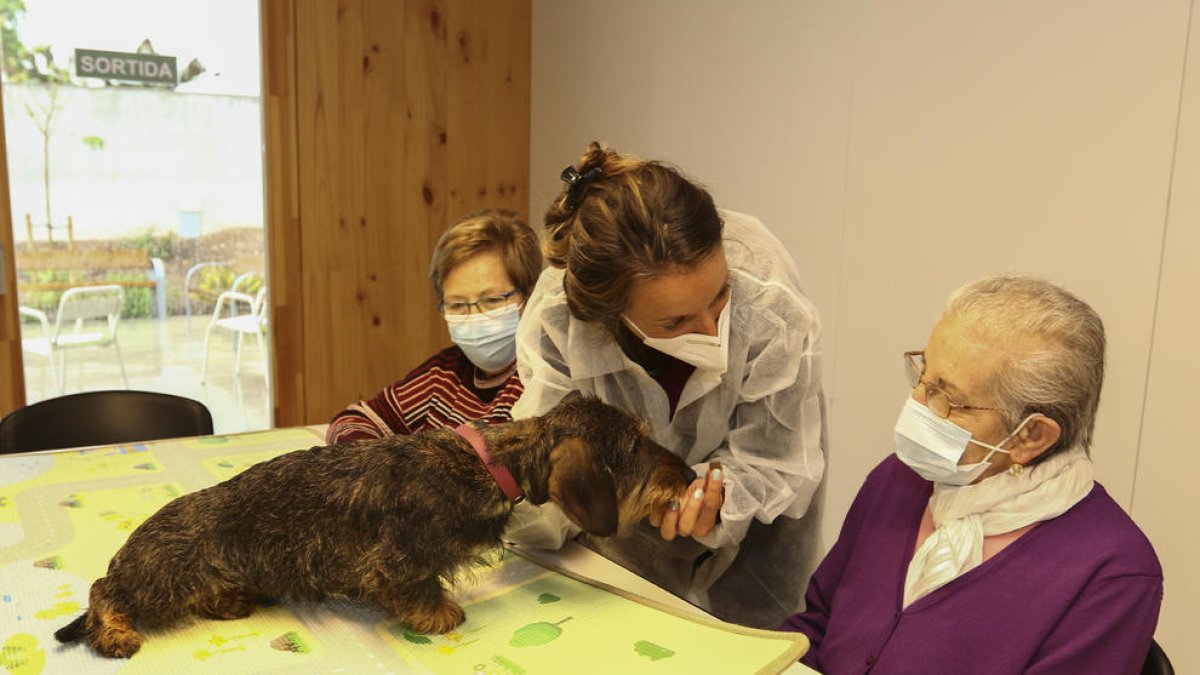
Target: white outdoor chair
{"type": "Point", "coordinates": [241, 314]}
{"type": "Point", "coordinates": [87, 317]}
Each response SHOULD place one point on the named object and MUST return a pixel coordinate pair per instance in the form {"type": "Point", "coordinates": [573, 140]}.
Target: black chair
{"type": "Point", "coordinates": [1157, 662]}
{"type": "Point", "coordinates": [102, 418]}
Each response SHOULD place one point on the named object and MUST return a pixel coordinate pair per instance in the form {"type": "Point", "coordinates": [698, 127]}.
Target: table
{"type": "Point", "coordinates": [64, 513]}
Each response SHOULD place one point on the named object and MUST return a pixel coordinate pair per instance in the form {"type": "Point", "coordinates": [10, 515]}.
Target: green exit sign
{"type": "Point", "coordinates": [126, 66]}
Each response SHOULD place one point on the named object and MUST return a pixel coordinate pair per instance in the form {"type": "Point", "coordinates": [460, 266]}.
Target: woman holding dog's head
{"type": "Point", "coordinates": [483, 269]}
{"type": "Point", "coordinates": [691, 316]}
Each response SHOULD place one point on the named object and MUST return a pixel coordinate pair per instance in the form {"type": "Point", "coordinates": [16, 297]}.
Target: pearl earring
{"type": "Point", "coordinates": [1015, 469]}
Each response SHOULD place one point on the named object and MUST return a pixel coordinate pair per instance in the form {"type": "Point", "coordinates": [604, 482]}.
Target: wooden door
{"type": "Point", "coordinates": [385, 121]}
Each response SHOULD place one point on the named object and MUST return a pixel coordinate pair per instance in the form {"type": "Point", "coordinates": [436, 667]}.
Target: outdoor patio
{"type": "Point", "coordinates": [165, 355]}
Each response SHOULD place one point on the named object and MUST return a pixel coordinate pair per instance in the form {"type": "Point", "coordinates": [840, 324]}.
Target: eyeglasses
{"type": "Point", "coordinates": [935, 399]}
{"type": "Point", "coordinates": [487, 303]}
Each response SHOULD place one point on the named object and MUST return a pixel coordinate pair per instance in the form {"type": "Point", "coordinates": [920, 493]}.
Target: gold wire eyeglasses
{"type": "Point", "coordinates": [936, 399]}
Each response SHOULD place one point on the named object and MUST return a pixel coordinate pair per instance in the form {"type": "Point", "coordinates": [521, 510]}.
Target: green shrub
{"type": "Point", "coordinates": [156, 245]}
{"type": "Point", "coordinates": [217, 279]}
{"type": "Point", "coordinates": [139, 303]}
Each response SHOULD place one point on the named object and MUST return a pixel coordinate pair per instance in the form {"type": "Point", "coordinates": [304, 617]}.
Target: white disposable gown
{"type": "Point", "coordinates": [763, 419]}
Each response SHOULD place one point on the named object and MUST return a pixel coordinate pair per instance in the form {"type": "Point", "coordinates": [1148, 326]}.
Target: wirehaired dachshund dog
{"type": "Point", "coordinates": [386, 522]}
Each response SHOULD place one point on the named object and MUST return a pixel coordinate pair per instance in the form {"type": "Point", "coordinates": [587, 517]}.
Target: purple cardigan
{"type": "Point", "coordinates": [1076, 594]}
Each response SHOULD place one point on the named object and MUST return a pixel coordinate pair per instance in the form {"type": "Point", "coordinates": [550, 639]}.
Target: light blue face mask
{"type": "Point", "coordinates": [489, 339]}
{"type": "Point", "coordinates": [932, 446]}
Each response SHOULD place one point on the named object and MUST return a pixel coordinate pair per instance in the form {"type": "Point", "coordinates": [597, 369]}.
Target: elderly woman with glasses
{"type": "Point", "coordinates": [483, 269]}
{"type": "Point", "coordinates": [983, 544]}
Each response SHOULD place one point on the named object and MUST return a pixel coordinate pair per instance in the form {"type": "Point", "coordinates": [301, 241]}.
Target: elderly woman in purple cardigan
{"type": "Point", "coordinates": [983, 544]}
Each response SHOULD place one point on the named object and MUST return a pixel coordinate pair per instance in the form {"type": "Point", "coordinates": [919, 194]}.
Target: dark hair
{"type": "Point", "coordinates": [489, 230]}
{"type": "Point", "coordinates": [619, 221]}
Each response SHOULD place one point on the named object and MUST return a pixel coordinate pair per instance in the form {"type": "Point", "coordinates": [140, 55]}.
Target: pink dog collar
{"type": "Point", "coordinates": [508, 485]}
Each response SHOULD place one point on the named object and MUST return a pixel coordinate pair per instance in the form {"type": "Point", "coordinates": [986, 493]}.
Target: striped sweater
{"type": "Point", "coordinates": [437, 394]}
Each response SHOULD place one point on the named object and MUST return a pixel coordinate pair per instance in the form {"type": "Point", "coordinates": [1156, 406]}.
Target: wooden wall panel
{"type": "Point", "coordinates": [489, 80]}
{"type": "Point", "coordinates": [282, 182]}
{"type": "Point", "coordinates": [393, 119]}
{"type": "Point", "coordinates": [12, 371]}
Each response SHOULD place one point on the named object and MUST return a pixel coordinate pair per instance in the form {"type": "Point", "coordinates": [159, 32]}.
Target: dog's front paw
{"type": "Point", "coordinates": [440, 620]}
{"type": "Point", "coordinates": [118, 643]}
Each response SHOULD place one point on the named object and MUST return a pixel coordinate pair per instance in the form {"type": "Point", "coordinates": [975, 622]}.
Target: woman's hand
{"type": "Point", "coordinates": [695, 513]}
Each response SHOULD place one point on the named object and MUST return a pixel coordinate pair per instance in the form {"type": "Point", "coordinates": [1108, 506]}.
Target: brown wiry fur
{"type": "Point", "coordinates": [386, 522]}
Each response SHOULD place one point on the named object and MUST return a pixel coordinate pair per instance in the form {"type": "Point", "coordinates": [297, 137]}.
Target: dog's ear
{"type": "Point", "coordinates": [583, 488]}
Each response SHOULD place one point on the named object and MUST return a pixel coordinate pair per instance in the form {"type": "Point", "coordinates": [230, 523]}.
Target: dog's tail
{"type": "Point", "coordinates": [74, 631]}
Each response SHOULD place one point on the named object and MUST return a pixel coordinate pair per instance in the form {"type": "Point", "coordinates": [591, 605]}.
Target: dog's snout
{"type": "Point", "coordinates": [689, 475]}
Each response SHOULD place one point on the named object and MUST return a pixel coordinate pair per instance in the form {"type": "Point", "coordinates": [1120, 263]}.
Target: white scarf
{"type": "Point", "coordinates": [964, 515]}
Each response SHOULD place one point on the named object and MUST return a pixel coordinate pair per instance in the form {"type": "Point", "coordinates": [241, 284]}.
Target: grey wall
{"type": "Point", "coordinates": [902, 149]}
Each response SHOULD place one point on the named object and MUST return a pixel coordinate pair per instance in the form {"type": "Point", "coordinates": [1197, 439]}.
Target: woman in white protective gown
{"type": "Point", "coordinates": [691, 317]}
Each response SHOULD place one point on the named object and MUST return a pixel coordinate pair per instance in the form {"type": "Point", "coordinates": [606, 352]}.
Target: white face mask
{"type": "Point", "coordinates": [705, 352]}
{"type": "Point", "coordinates": [489, 339]}
{"type": "Point", "coordinates": [932, 446]}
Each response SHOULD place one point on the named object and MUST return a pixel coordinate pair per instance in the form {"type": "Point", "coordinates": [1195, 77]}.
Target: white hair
{"type": "Point", "coordinates": [1056, 364]}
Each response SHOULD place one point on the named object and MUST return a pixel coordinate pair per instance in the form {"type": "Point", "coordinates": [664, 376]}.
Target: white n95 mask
{"type": "Point", "coordinates": [705, 352]}
{"type": "Point", "coordinates": [932, 446]}
{"type": "Point", "coordinates": [489, 339]}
